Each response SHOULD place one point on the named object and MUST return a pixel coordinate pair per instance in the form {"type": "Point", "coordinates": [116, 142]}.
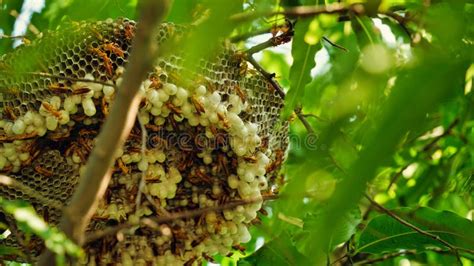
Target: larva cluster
{"type": "Point", "coordinates": [212, 138]}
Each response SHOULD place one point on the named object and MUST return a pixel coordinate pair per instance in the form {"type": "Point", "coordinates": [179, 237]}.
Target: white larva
{"type": "Point", "coordinates": [143, 165]}
{"type": "Point", "coordinates": [30, 129]}
{"type": "Point", "coordinates": [51, 123]}
{"type": "Point", "coordinates": [155, 111]}
{"type": "Point", "coordinates": [28, 118]}
{"type": "Point", "coordinates": [64, 117]}
{"type": "Point", "coordinates": [69, 104]}
{"type": "Point", "coordinates": [55, 101]}
{"type": "Point", "coordinates": [108, 91]}
{"type": "Point", "coordinates": [3, 162]}
{"type": "Point", "coordinates": [182, 94]}
{"type": "Point", "coordinates": [24, 156]}
{"type": "Point", "coordinates": [160, 156]}
{"type": "Point", "coordinates": [89, 107]}
{"type": "Point", "coordinates": [19, 127]}
{"type": "Point", "coordinates": [201, 90]}
{"type": "Point", "coordinates": [170, 88]}
{"type": "Point", "coordinates": [163, 96]}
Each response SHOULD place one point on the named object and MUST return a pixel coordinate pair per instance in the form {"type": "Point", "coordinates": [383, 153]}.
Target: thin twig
{"type": "Point", "coordinates": [303, 120]}
{"type": "Point", "coordinates": [247, 35]}
{"type": "Point", "coordinates": [94, 236]}
{"type": "Point", "coordinates": [445, 133]}
{"type": "Point", "coordinates": [268, 76]}
{"type": "Point", "coordinates": [315, 117]}
{"type": "Point", "coordinates": [279, 90]}
{"type": "Point", "coordinates": [93, 183]}
{"type": "Point", "coordinates": [396, 176]}
{"type": "Point", "coordinates": [3, 36]}
{"type": "Point", "coordinates": [397, 254]}
{"type": "Point", "coordinates": [453, 249]}
{"type": "Point", "coordinates": [335, 44]}
{"type": "Point", "coordinates": [142, 182]}
{"type": "Point", "coordinates": [301, 11]}
{"type": "Point", "coordinates": [385, 257]}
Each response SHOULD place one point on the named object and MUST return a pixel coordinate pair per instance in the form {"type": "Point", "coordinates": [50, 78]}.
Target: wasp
{"type": "Point", "coordinates": [113, 48]}
{"type": "Point", "coordinates": [129, 32]}
{"type": "Point", "coordinates": [34, 152]}
{"type": "Point", "coordinates": [156, 82]}
{"type": "Point", "coordinates": [97, 34]}
{"type": "Point", "coordinates": [48, 107]}
{"type": "Point", "coordinates": [107, 62]}
{"type": "Point", "coordinates": [263, 212]}
{"type": "Point", "coordinates": [277, 162]}
{"type": "Point", "coordinates": [224, 199]}
{"type": "Point", "coordinates": [122, 166]}
{"type": "Point", "coordinates": [173, 123]}
{"type": "Point", "coordinates": [224, 120]}
{"type": "Point", "coordinates": [185, 163]}
{"type": "Point", "coordinates": [239, 248]}
{"type": "Point", "coordinates": [153, 128]}
{"type": "Point", "coordinates": [190, 261]}
{"type": "Point", "coordinates": [208, 258]}
{"type": "Point", "coordinates": [265, 143]}
{"type": "Point", "coordinates": [9, 112]}
{"type": "Point", "coordinates": [250, 159]}
{"type": "Point", "coordinates": [243, 68]}
{"type": "Point", "coordinates": [74, 149]}
{"type": "Point", "coordinates": [256, 221]}
{"type": "Point", "coordinates": [59, 88]}
{"type": "Point", "coordinates": [4, 138]}
{"type": "Point", "coordinates": [104, 106]}
{"type": "Point", "coordinates": [199, 176]}
{"type": "Point", "coordinates": [173, 108]}
{"type": "Point", "coordinates": [213, 130]}
{"type": "Point", "coordinates": [86, 144]}
{"type": "Point", "coordinates": [223, 163]}
{"type": "Point", "coordinates": [58, 136]}
{"type": "Point", "coordinates": [198, 105]}
{"type": "Point", "coordinates": [43, 171]}
{"type": "Point", "coordinates": [80, 91]}
{"type": "Point", "coordinates": [240, 93]}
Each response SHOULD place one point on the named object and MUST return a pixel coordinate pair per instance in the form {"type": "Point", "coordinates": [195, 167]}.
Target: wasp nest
{"type": "Point", "coordinates": [204, 140]}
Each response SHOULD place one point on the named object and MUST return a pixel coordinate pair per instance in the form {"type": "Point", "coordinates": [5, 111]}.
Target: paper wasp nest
{"type": "Point", "coordinates": [212, 138]}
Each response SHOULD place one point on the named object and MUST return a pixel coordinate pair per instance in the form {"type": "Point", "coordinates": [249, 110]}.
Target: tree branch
{"type": "Point", "coordinates": [453, 249]}
{"type": "Point", "coordinates": [115, 130]}
{"type": "Point", "coordinates": [94, 236]}
{"type": "Point", "coordinates": [300, 11]}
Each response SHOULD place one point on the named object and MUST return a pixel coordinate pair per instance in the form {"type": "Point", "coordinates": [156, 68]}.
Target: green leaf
{"type": "Point", "coordinates": [28, 221]}
{"type": "Point", "coordinates": [279, 251]}
{"type": "Point", "coordinates": [433, 87]}
{"type": "Point", "coordinates": [384, 234]}
{"type": "Point", "coordinates": [303, 61]}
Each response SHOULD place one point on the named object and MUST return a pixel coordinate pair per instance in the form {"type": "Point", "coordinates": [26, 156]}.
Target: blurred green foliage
{"type": "Point", "coordinates": [391, 112]}
{"type": "Point", "coordinates": [31, 224]}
